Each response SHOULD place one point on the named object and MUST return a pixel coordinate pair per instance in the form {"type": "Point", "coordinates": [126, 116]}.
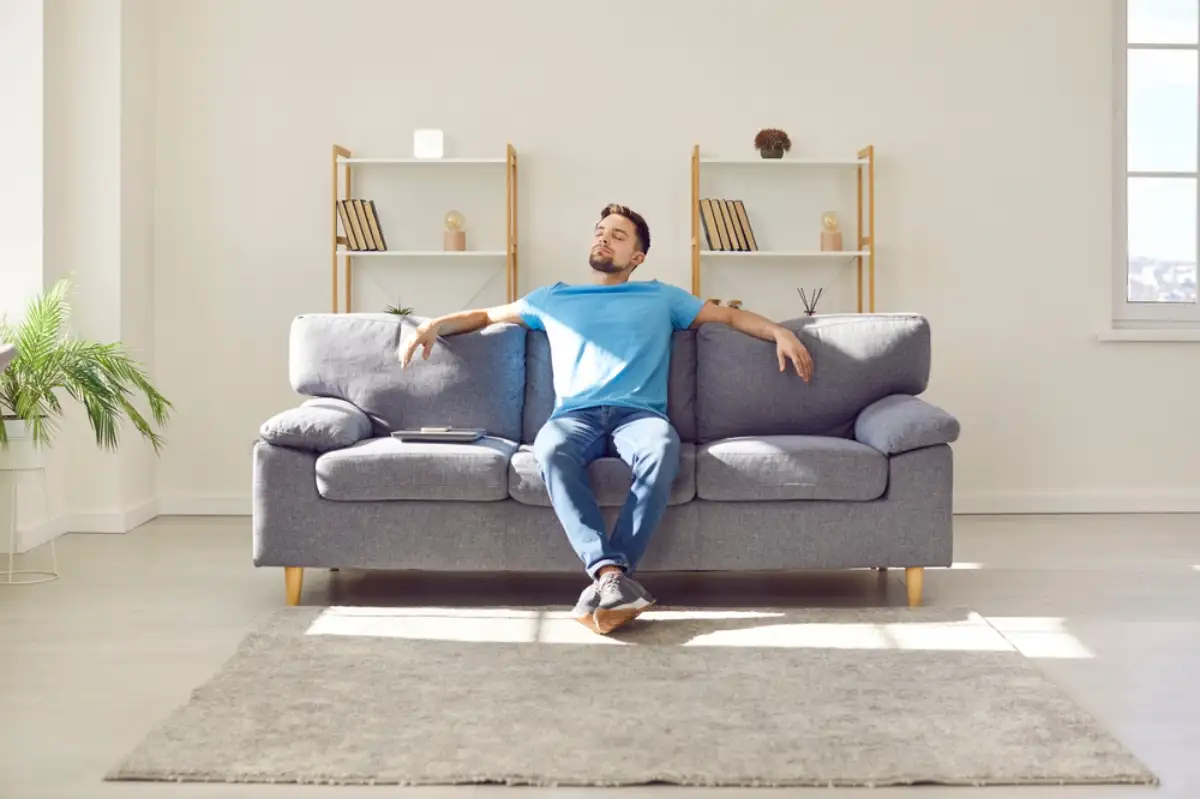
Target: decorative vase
{"type": "Point", "coordinates": [772, 152]}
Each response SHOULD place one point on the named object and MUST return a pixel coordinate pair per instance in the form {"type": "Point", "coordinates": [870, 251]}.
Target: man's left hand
{"type": "Point", "coordinates": [789, 348]}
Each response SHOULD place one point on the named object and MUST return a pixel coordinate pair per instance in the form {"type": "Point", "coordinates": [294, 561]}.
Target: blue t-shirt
{"type": "Point", "coordinates": [610, 345]}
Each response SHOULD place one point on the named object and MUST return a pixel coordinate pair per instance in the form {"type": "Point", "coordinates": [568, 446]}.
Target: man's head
{"type": "Point", "coordinates": [620, 240]}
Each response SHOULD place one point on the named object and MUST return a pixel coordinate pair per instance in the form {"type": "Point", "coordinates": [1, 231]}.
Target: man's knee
{"type": "Point", "coordinates": [662, 450]}
{"type": "Point", "coordinates": [550, 446]}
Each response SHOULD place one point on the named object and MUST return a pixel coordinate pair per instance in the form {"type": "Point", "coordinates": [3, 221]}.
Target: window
{"type": "Point", "coordinates": [1158, 94]}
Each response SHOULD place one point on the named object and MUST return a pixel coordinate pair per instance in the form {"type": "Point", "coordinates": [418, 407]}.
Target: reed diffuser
{"type": "Point", "coordinates": [810, 303]}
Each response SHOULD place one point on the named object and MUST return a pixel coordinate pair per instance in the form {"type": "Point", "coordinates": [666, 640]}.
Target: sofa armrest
{"type": "Point", "coordinates": [319, 424]}
{"type": "Point", "coordinates": [901, 422]}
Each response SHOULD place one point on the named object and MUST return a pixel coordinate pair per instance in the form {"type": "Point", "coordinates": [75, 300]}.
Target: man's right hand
{"type": "Point", "coordinates": [424, 336]}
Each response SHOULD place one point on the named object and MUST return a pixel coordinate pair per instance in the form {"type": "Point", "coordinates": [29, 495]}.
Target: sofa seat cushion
{"type": "Point", "coordinates": [787, 467]}
{"type": "Point", "coordinates": [389, 469]}
{"type": "Point", "coordinates": [611, 479]}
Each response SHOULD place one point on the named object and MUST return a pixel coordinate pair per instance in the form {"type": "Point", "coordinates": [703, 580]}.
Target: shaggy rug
{"type": "Point", "coordinates": [827, 697]}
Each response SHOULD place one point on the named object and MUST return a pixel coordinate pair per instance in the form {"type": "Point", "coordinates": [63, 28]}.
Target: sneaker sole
{"type": "Point", "coordinates": [588, 621]}
{"type": "Point", "coordinates": [609, 620]}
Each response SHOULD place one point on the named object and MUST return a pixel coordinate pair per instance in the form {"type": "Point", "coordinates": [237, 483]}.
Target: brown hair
{"type": "Point", "coordinates": [639, 224]}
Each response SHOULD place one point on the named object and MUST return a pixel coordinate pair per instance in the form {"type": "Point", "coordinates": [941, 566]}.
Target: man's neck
{"type": "Point", "coordinates": [608, 278]}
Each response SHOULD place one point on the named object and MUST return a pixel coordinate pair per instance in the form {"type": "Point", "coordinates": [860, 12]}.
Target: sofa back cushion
{"type": "Point", "coordinates": [857, 359]}
{"type": "Point", "coordinates": [472, 379]}
{"type": "Point", "coordinates": [681, 385]}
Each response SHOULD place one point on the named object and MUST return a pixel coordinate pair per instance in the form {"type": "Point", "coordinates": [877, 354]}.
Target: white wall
{"type": "Point", "coordinates": [100, 178]}
{"type": "Point", "coordinates": [991, 120]}
{"type": "Point", "coordinates": [21, 78]}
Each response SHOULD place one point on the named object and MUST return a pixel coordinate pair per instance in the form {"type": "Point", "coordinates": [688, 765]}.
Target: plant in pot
{"type": "Point", "coordinates": [50, 366]}
{"type": "Point", "coordinates": [772, 142]}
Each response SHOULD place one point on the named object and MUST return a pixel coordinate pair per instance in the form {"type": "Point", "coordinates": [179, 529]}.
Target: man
{"type": "Point", "coordinates": [610, 345]}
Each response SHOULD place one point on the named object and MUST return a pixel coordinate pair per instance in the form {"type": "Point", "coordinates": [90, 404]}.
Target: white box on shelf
{"type": "Point", "coordinates": [427, 143]}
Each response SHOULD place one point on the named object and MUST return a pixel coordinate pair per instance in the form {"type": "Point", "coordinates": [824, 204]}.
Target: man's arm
{"type": "Point", "coordinates": [743, 321]}
{"type": "Point", "coordinates": [787, 346]}
{"type": "Point", "coordinates": [462, 322]}
{"type": "Point", "coordinates": [466, 321]}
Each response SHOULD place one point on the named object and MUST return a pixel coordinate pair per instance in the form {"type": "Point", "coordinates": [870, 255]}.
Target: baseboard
{"type": "Point", "coordinates": [1039, 502]}
{"type": "Point", "coordinates": [115, 521]}
{"type": "Point", "coordinates": [182, 505]}
{"type": "Point", "coordinates": [965, 503]}
{"type": "Point", "coordinates": [33, 536]}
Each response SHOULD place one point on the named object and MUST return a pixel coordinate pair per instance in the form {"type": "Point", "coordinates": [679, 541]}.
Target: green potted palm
{"type": "Point", "coordinates": [49, 367]}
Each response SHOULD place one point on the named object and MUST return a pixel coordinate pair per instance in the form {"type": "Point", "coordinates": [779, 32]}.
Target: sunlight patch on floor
{"type": "Point", "coordinates": [701, 628]}
{"type": "Point", "coordinates": [1042, 637]}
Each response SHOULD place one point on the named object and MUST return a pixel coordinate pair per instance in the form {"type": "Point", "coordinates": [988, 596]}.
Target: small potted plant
{"type": "Point", "coordinates": [772, 143]}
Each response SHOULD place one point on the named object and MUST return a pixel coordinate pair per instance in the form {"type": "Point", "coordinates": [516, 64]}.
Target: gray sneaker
{"type": "Point", "coordinates": [622, 599]}
{"type": "Point", "coordinates": [585, 608]}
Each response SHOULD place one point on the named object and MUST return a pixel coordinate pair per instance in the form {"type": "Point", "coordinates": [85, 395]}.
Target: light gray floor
{"type": "Point", "coordinates": [91, 662]}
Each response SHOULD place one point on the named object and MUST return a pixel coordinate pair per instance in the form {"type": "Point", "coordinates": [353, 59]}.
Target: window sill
{"type": "Point", "coordinates": [1150, 334]}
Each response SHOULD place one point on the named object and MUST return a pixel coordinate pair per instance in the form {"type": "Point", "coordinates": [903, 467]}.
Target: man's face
{"type": "Point", "coordinates": [614, 245]}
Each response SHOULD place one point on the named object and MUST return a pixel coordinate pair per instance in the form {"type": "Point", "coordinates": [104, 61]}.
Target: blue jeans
{"type": "Point", "coordinates": [645, 441]}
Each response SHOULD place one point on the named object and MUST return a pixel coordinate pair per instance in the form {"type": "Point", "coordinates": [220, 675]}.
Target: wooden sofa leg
{"type": "Point", "coordinates": [914, 580]}
{"type": "Point", "coordinates": [293, 578]}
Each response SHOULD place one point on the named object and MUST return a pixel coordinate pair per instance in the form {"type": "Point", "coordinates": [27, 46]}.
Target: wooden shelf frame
{"type": "Point", "coordinates": [863, 254]}
{"type": "Point", "coordinates": [343, 259]}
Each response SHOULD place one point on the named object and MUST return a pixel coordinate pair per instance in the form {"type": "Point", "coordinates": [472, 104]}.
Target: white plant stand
{"type": "Point", "coordinates": [20, 457]}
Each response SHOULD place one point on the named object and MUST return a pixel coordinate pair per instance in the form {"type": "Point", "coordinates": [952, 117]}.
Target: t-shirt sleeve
{"type": "Point", "coordinates": [532, 306]}
{"type": "Point", "coordinates": [684, 306]}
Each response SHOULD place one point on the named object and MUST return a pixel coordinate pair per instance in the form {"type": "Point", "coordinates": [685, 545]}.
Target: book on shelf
{"type": "Point", "coordinates": [360, 225]}
{"type": "Point", "coordinates": [727, 225]}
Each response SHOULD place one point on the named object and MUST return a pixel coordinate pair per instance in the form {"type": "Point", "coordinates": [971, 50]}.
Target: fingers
{"type": "Point", "coordinates": [782, 356]}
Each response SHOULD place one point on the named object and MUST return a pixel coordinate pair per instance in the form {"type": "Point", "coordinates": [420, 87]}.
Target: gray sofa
{"type": "Point", "coordinates": [850, 470]}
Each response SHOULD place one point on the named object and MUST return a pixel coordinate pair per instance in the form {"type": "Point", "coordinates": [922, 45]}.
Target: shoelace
{"type": "Point", "coordinates": [610, 584]}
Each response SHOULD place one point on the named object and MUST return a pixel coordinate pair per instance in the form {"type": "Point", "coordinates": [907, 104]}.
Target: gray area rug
{"type": "Point", "coordinates": [827, 697]}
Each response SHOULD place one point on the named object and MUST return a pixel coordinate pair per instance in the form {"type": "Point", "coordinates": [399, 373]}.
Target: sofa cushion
{"type": "Point", "coordinates": [789, 467]}
{"type": "Point", "coordinates": [611, 479]}
{"type": "Point", "coordinates": [681, 385]}
{"type": "Point", "coordinates": [472, 379]}
{"type": "Point", "coordinates": [389, 469]}
{"type": "Point", "coordinates": [318, 425]}
{"type": "Point", "coordinates": [900, 423]}
{"type": "Point", "coordinates": [857, 359]}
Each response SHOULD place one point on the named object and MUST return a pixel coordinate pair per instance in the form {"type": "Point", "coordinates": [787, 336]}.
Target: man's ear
{"type": "Point", "coordinates": [638, 258]}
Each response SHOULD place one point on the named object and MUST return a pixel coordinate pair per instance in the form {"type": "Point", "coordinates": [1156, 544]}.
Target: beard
{"type": "Point", "coordinates": [604, 263]}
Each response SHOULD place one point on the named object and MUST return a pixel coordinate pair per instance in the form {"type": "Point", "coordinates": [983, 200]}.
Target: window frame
{"type": "Point", "coordinates": [1127, 314]}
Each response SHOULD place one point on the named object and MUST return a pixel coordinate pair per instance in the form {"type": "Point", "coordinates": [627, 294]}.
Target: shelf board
{"type": "Point", "coordinates": [778, 162]}
{"type": "Point", "coordinates": [422, 161]}
{"type": "Point", "coordinates": [425, 253]}
{"type": "Point", "coordinates": [786, 253]}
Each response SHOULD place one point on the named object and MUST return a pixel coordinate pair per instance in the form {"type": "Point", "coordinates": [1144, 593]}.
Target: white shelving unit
{"type": "Point", "coordinates": [785, 254]}
{"type": "Point", "coordinates": [424, 254]}
{"type": "Point", "coordinates": [864, 251]}
{"type": "Point", "coordinates": [778, 163]}
{"type": "Point", "coordinates": [343, 161]}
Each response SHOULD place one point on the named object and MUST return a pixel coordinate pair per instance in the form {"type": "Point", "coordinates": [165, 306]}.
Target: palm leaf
{"type": "Point", "coordinates": [103, 378]}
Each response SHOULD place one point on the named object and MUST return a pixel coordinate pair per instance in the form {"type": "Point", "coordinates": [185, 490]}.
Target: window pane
{"type": "Point", "coordinates": [1162, 105]}
{"type": "Point", "coordinates": [1162, 240]}
{"type": "Point", "coordinates": [1163, 21]}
